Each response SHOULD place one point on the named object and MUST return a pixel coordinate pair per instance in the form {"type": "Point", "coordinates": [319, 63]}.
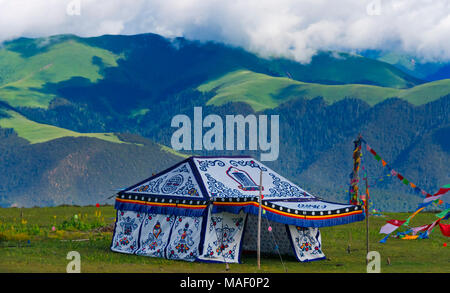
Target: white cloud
{"type": "Point", "coordinates": [291, 28]}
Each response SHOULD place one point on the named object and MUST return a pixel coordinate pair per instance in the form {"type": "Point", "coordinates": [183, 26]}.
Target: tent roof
{"type": "Point", "coordinates": [232, 184]}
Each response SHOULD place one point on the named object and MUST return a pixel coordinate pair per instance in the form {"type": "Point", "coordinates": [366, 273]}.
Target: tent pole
{"type": "Point", "coordinates": [227, 267]}
{"type": "Point", "coordinates": [258, 251]}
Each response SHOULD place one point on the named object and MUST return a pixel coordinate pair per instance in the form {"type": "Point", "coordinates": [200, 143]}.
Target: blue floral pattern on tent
{"type": "Point", "coordinates": [241, 178]}
{"type": "Point", "coordinates": [285, 189]}
{"type": "Point", "coordinates": [223, 237]}
{"type": "Point", "coordinates": [178, 182]}
{"type": "Point", "coordinates": [185, 239]}
{"type": "Point", "coordinates": [127, 231]}
{"type": "Point", "coordinates": [204, 165]}
{"type": "Point", "coordinates": [217, 188]}
{"type": "Point", "coordinates": [307, 243]}
{"type": "Point", "coordinates": [155, 233]}
{"type": "Point", "coordinates": [244, 163]}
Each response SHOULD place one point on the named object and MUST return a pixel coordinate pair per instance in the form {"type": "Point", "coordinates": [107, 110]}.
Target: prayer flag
{"type": "Point", "coordinates": [418, 229]}
{"type": "Point", "coordinates": [443, 213]}
{"type": "Point", "coordinates": [388, 229]}
{"type": "Point", "coordinates": [391, 226]}
{"type": "Point", "coordinates": [396, 222]}
{"type": "Point", "coordinates": [410, 237]}
{"type": "Point", "coordinates": [384, 239]}
{"type": "Point", "coordinates": [445, 229]}
{"type": "Point", "coordinates": [443, 190]}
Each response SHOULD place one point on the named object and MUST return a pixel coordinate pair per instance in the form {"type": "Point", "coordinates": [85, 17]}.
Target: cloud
{"type": "Point", "coordinates": [292, 28]}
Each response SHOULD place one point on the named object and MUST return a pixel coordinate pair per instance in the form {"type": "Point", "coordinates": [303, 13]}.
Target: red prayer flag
{"type": "Point", "coordinates": [395, 222]}
{"type": "Point", "coordinates": [442, 190]}
{"type": "Point", "coordinates": [445, 229]}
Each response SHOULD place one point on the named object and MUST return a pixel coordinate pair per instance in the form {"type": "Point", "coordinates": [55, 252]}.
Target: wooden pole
{"type": "Point", "coordinates": [367, 217]}
{"type": "Point", "coordinates": [258, 249]}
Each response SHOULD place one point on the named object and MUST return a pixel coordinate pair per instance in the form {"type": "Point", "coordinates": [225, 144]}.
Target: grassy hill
{"type": "Point", "coordinates": [148, 67]}
{"type": "Point", "coordinates": [266, 92]}
{"type": "Point", "coordinates": [38, 132]}
{"type": "Point", "coordinates": [422, 69]}
{"type": "Point", "coordinates": [46, 250]}
{"type": "Point", "coordinates": [23, 74]}
{"type": "Point", "coordinates": [75, 170]}
{"type": "Point", "coordinates": [331, 67]}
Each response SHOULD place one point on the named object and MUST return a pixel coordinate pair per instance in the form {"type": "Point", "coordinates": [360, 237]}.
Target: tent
{"type": "Point", "coordinates": [204, 209]}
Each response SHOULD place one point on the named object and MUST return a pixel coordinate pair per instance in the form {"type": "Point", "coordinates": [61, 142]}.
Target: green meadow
{"type": "Point", "coordinates": [22, 78]}
{"type": "Point", "coordinates": [262, 91]}
{"type": "Point", "coordinates": [29, 243]}
{"type": "Point", "coordinates": [36, 132]}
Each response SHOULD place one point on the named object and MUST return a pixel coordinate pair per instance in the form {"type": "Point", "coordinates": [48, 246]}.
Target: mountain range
{"type": "Point", "coordinates": [83, 117]}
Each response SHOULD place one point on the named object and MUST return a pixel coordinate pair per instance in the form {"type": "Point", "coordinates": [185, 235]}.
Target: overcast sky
{"type": "Point", "coordinates": [290, 28]}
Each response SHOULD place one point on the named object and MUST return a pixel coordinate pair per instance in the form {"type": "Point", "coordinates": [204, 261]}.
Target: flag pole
{"type": "Point", "coordinates": [367, 216]}
{"type": "Point", "coordinates": [258, 249]}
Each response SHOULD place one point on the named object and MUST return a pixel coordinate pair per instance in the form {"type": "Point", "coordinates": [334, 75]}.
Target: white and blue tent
{"type": "Point", "coordinates": [204, 209]}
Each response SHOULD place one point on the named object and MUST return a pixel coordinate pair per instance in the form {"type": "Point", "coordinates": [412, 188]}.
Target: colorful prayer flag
{"type": "Point", "coordinates": [415, 230]}
{"type": "Point", "coordinates": [388, 229]}
{"type": "Point", "coordinates": [430, 229]}
{"type": "Point", "coordinates": [445, 229]}
{"type": "Point", "coordinates": [396, 222]}
{"type": "Point", "coordinates": [443, 213]}
{"type": "Point", "coordinates": [406, 223]}
{"type": "Point", "coordinates": [443, 190]}
{"type": "Point", "coordinates": [391, 226]}
{"type": "Point", "coordinates": [405, 181]}
{"type": "Point", "coordinates": [410, 237]}
{"type": "Point", "coordinates": [384, 239]}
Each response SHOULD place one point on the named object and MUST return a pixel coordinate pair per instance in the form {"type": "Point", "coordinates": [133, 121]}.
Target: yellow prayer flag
{"type": "Point", "coordinates": [410, 237]}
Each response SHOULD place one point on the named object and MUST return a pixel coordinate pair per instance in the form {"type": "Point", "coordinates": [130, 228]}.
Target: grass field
{"type": "Point", "coordinates": [262, 91]}
{"type": "Point", "coordinates": [28, 244]}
